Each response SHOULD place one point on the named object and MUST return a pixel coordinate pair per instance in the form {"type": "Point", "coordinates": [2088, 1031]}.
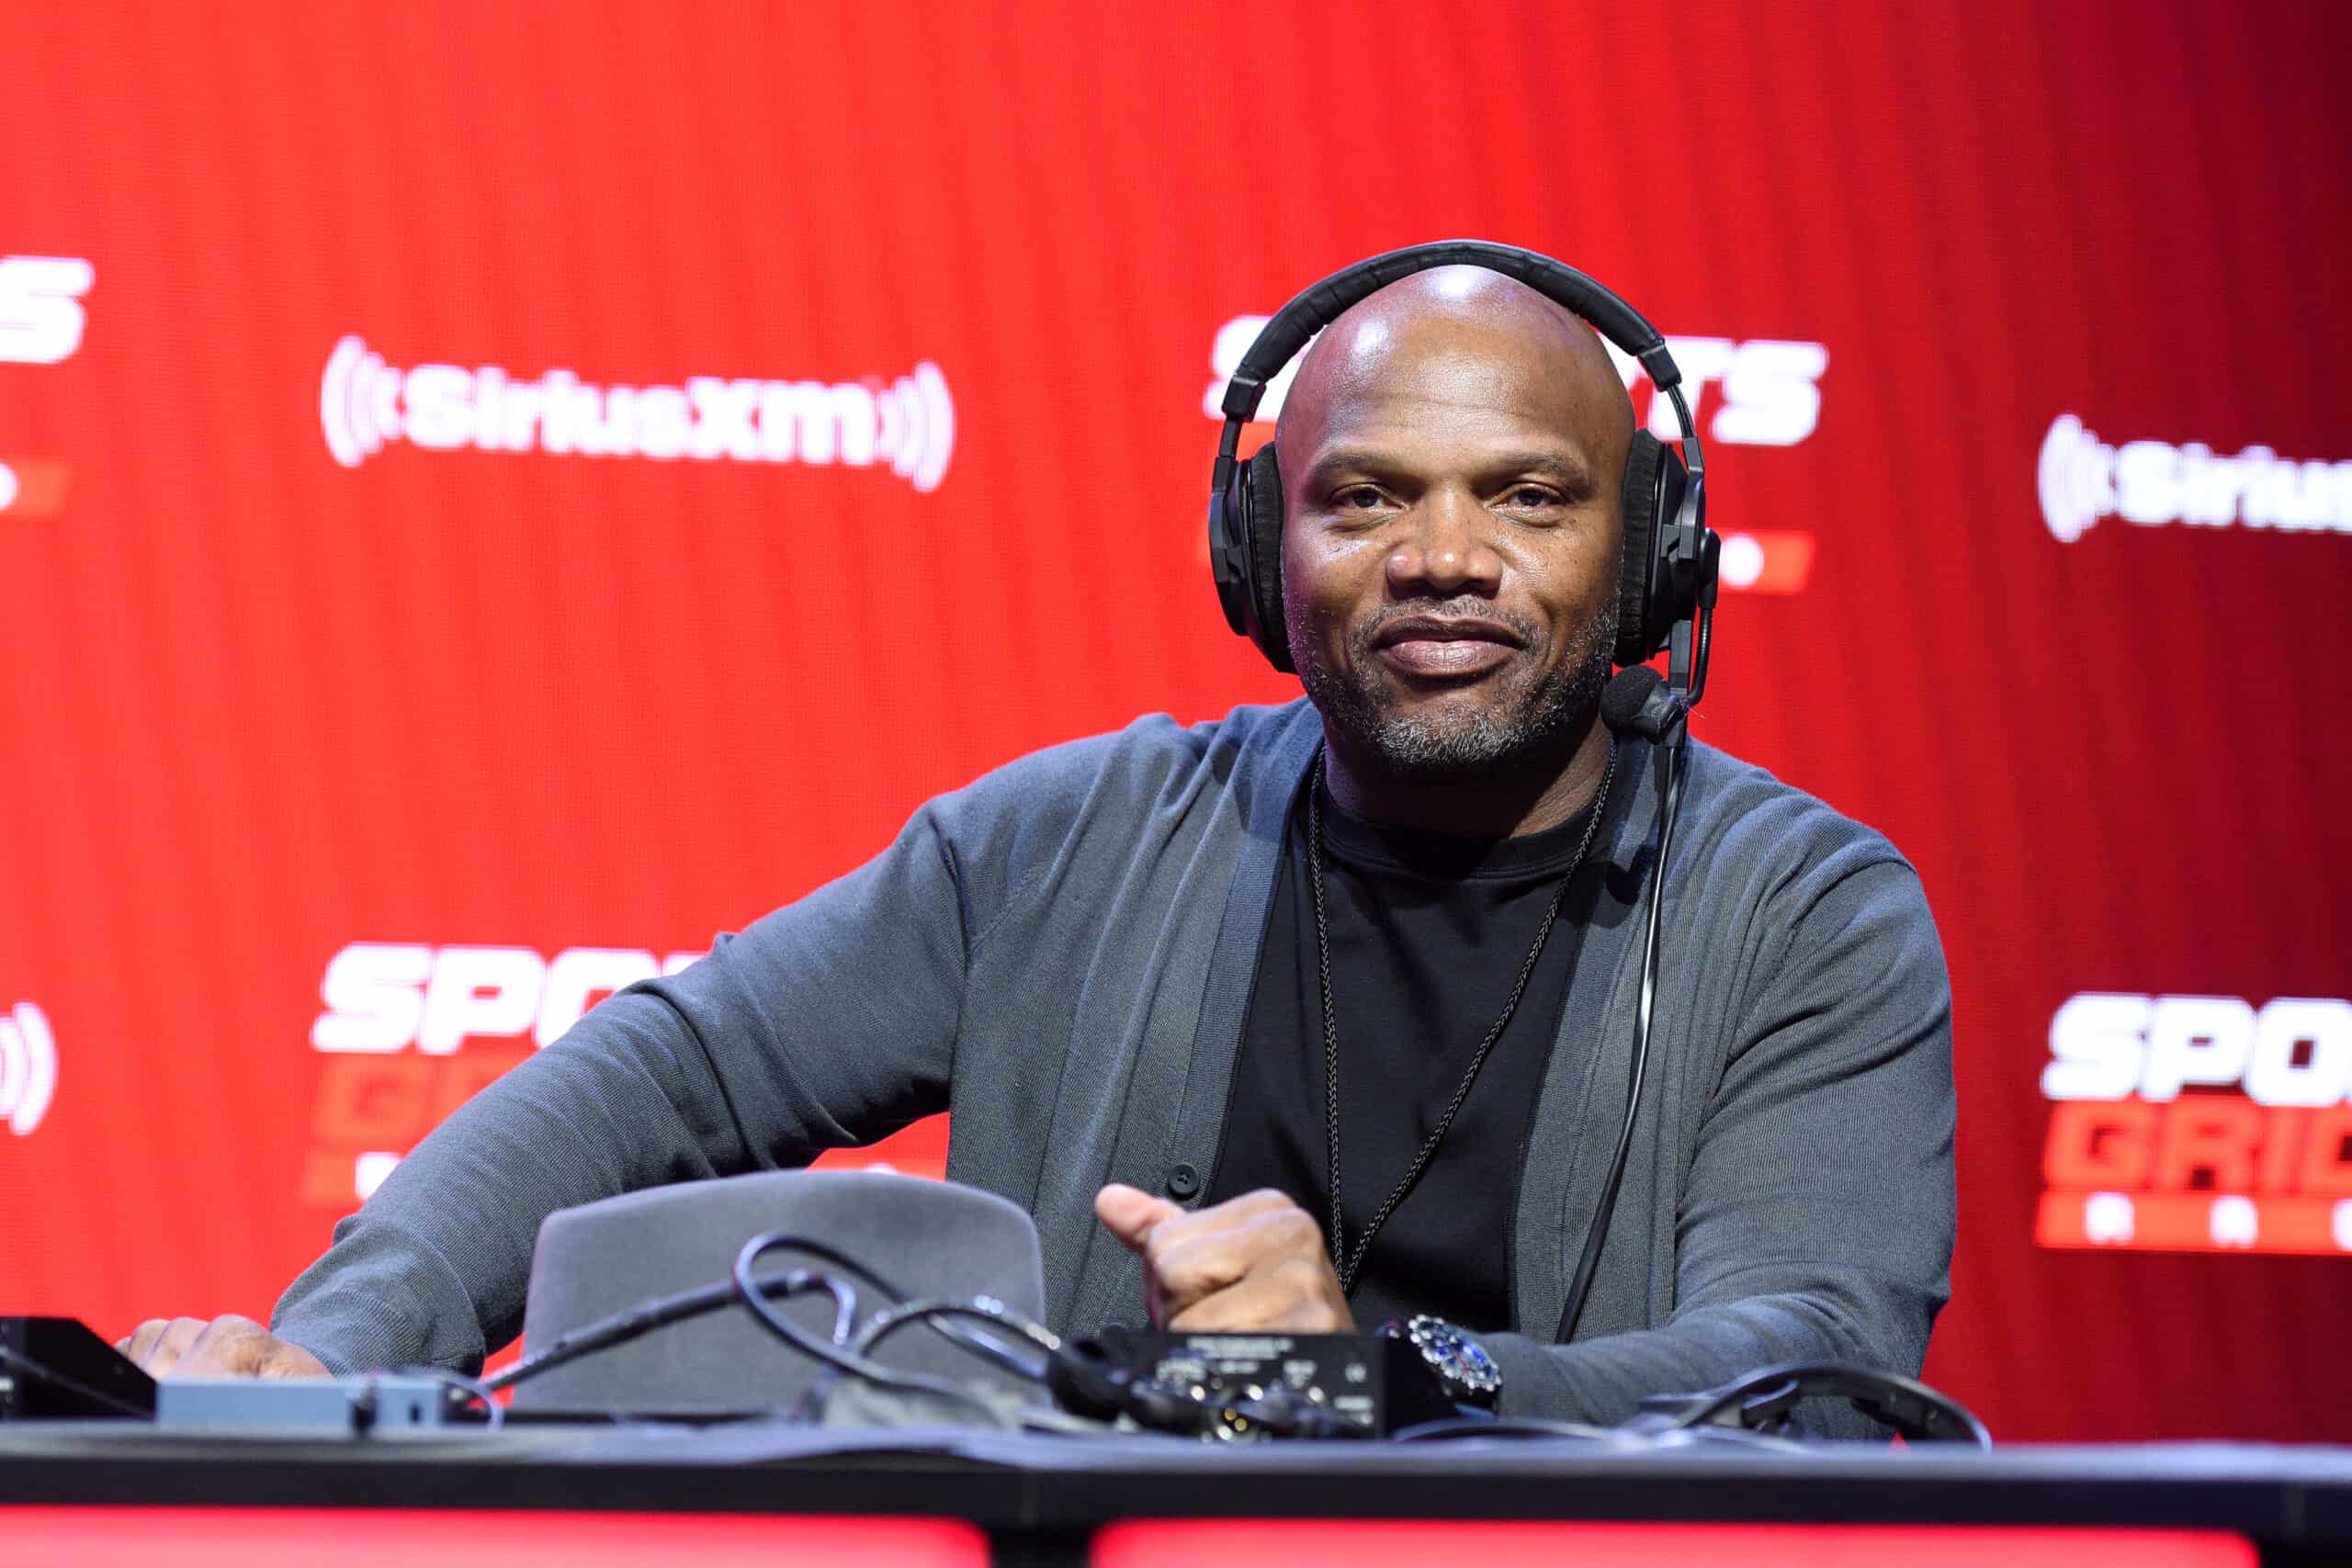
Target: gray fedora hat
{"type": "Point", "coordinates": [928, 1238]}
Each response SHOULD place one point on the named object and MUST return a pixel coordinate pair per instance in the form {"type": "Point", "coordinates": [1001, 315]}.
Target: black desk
{"type": "Point", "coordinates": [1040, 1498]}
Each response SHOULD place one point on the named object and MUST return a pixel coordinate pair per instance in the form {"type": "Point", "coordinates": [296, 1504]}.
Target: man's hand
{"type": "Point", "coordinates": [225, 1347]}
{"type": "Point", "coordinates": [1251, 1263]}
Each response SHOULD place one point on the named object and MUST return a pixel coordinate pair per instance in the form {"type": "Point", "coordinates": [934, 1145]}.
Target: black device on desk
{"type": "Point", "coordinates": [1243, 1387]}
{"type": "Point", "coordinates": [56, 1367]}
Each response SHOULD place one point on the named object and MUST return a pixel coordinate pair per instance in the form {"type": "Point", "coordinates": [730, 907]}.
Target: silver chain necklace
{"type": "Point", "coordinates": [1348, 1263]}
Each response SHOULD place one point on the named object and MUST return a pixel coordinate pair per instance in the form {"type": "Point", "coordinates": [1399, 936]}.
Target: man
{"type": "Point", "coordinates": [1174, 982]}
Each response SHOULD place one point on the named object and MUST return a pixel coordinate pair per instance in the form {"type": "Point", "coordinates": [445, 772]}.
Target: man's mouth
{"type": "Point", "coordinates": [1436, 646]}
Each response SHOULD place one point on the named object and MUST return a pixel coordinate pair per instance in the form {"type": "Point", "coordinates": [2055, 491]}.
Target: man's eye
{"type": "Point", "coordinates": [1531, 496]}
{"type": "Point", "coordinates": [1358, 497]}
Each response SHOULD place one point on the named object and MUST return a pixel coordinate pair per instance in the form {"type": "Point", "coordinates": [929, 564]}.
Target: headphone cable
{"type": "Point", "coordinates": [1596, 1235]}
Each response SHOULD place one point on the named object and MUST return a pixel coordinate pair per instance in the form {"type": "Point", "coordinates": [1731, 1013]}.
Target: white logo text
{"type": "Point", "coordinates": [27, 1067]}
{"type": "Point", "coordinates": [908, 424]}
{"type": "Point", "coordinates": [41, 306]}
{"type": "Point", "coordinates": [2083, 479]}
{"type": "Point", "coordinates": [384, 996]}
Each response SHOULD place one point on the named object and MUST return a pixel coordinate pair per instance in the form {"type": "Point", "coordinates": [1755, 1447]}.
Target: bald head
{"type": "Point", "coordinates": [1455, 335]}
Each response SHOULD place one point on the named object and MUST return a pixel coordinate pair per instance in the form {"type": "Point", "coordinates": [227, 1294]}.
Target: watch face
{"type": "Point", "coordinates": [1457, 1357]}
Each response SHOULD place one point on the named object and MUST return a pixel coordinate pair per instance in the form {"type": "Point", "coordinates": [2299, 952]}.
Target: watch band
{"type": "Point", "coordinates": [1469, 1375]}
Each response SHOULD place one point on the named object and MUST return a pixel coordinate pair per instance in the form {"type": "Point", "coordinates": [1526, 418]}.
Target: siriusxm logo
{"type": "Point", "coordinates": [2083, 479]}
{"type": "Point", "coordinates": [908, 424]}
{"type": "Point", "coordinates": [27, 1067]}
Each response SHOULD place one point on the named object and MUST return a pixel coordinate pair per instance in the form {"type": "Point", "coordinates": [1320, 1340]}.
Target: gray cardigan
{"type": "Point", "coordinates": [1063, 952]}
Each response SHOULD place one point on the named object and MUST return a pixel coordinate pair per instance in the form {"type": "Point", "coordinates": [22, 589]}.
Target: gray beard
{"type": "Point", "coordinates": [1532, 719]}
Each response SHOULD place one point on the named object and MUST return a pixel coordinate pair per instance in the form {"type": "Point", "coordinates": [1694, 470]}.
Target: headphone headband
{"type": "Point", "coordinates": [1316, 307]}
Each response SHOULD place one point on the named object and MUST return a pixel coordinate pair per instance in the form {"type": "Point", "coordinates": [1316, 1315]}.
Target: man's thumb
{"type": "Point", "coordinates": [1131, 1214]}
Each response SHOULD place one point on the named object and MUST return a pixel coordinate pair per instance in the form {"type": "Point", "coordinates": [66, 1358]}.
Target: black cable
{"type": "Point", "coordinates": [1596, 1235]}
{"type": "Point", "coordinates": [1919, 1412]}
{"type": "Point", "coordinates": [1706, 637]}
{"type": "Point", "coordinates": [1452, 1426]}
{"type": "Point", "coordinates": [748, 1291]}
{"type": "Point", "coordinates": [631, 1322]}
{"type": "Point", "coordinates": [74, 1386]}
{"type": "Point", "coordinates": [978, 1343]}
{"type": "Point", "coordinates": [986, 1308]}
{"type": "Point", "coordinates": [845, 1301]}
{"type": "Point", "coordinates": [1528, 1426]}
{"type": "Point", "coordinates": [493, 1413]}
{"type": "Point", "coordinates": [635, 1322]}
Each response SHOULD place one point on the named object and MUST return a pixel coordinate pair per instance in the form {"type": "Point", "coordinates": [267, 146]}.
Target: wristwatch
{"type": "Point", "coordinates": [1461, 1363]}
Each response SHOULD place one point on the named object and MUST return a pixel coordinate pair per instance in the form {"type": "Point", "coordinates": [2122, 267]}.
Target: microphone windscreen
{"type": "Point", "coordinates": [1634, 700]}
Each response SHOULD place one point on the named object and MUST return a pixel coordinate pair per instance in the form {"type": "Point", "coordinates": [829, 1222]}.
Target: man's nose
{"type": "Point", "coordinates": [1444, 549]}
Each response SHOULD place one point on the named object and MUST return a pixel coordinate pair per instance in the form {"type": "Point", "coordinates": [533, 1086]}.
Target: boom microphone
{"type": "Point", "coordinates": [1638, 701]}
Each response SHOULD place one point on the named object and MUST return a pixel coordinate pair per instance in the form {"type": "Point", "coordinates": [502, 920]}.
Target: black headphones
{"type": "Point", "coordinates": [1668, 579]}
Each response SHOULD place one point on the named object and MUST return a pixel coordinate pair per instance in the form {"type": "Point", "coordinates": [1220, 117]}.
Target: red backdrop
{"type": "Point", "coordinates": [744, 427]}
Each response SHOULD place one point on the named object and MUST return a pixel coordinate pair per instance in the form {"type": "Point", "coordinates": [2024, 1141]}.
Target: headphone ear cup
{"type": "Point", "coordinates": [1637, 638]}
{"type": "Point", "coordinates": [1262, 487]}
{"type": "Point", "coordinates": [1229, 551]}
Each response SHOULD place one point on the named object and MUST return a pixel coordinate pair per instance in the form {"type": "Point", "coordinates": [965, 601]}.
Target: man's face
{"type": "Point", "coordinates": [1450, 563]}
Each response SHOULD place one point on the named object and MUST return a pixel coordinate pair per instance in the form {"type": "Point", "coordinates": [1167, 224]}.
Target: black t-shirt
{"type": "Point", "coordinates": [1426, 933]}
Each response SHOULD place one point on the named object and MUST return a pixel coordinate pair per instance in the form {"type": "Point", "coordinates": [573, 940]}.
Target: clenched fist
{"type": "Point", "coordinates": [1251, 1264]}
{"type": "Point", "coordinates": [225, 1347]}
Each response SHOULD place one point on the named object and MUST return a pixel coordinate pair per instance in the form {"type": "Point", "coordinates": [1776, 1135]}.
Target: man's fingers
{"type": "Point", "coordinates": [172, 1345]}
{"type": "Point", "coordinates": [226, 1347]}
{"type": "Point", "coordinates": [157, 1344]}
{"type": "Point", "coordinates": [141, 1343]}
{"type": "Point", "coordinates": [1246, 1208]}
{"type": "Point", "coordinates": [1251, 1262]}
{"type": "Point", "coordinates": [284, 1359]}
{"type": "Point", "coordinates": [1192, 1268]}
{"type": "Point", "coordinates": [1290, 1296]}
{"type": "Point", "coordinates": [229, 1347]}
{"type": "Point", "coordinates": [1191, 1263]}
{"type": "Point", "coordinates": [1131, 1214]}
{"type": "Point", "coordinates": [240, 1347]}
